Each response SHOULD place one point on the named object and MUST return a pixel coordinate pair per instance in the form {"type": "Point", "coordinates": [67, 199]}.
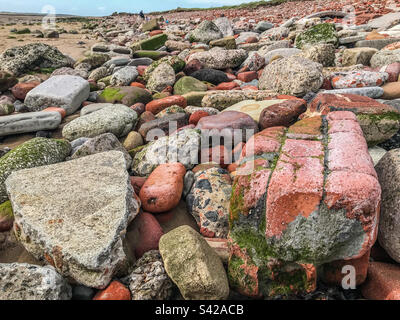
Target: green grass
{"type": "Point", "coordinates": [248, 5]}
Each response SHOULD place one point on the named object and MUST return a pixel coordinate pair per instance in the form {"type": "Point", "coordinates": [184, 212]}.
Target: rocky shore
{"type": "Point", "coordinates": [211, 155]}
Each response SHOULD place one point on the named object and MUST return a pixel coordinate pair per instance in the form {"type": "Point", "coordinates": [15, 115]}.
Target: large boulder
{"type": "Point", "coordinates": [67, 92]}
{"type": "Point", "coordinates": [33, 153]}
{"type": "Point", "coordinates": [20, 60]}
{"type": "Point", "coordinates": [294, 76]}
{"type": "Point", "coordinates": [117, 119]}
{"type": "Point", "coordinates": [301, 197]}
{"type": "Point", "coordinates": [205, 32]}
{"type": "Point", "coordinates": [74, 214]}
{"type": "Point", "coordinates": [193, 265]}
{"type": "Point", "coordinates": [22, 281]}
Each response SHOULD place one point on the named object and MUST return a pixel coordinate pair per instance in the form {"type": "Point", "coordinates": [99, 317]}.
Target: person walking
{"type": "Point", "coordinates": [141, 14]}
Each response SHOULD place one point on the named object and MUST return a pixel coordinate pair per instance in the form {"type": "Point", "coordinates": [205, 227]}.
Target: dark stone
{"type": "Point", "coordinates": [210, 75]}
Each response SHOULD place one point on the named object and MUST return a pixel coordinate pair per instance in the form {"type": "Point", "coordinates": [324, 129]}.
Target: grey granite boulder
{"type": "Point", "coordinates": [65, 91]}
{"type": "Point", "coordinates": [181, 147]}
{"type": "Point", "coordinates": [294, 76]}
{"type": "Point", "coordinates": [162, 77]}
{"type": "Point", "coordinates": [22, 281]}
{"type": "Point", "coordinates": [33, 153]}
{"type": "Point", "coordinates": [220, 59]}
{"type": "Point", "coordinates": [124, 76]}
{"type": "Point", "coordinates": [101, 143]}
{"type": "Point", "coordinates": [205, 32]}
{"type": "Point", "coordinates": [74, 215]}
{"type": "Point", "coordinates": [117, 119]}
{"type": "Point", "coordinates": [29, 122]}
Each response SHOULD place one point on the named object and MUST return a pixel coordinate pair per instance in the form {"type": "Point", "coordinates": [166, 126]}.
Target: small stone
{"type": "Point", "coordinates": [148, 280]}
{"type": "Point", "coordinates": [115, 291]}
{"type": "Point", "coordinates": [133, 140]}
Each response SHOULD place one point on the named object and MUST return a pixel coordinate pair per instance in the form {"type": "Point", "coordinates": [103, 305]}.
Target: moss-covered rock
{"type": "Point", "coordinates": [6, 216]}
{"type": "Point", "coordinates": [176, 64]}
{"type": "Point", "coordinates": [320, 33]}
{"type": "Point", "coordinates": [152, 43]}
{"type": "Point", "coordinates": [124, 95]}
{"type": "Point", "coordinates": [188, 84]}
{"type": "Point", "coordinates": [155, 55]}
{"type": "Point", "coordinates": [33, 153]}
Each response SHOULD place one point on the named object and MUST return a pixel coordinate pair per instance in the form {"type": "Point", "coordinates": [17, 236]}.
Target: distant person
{"type": "Point", "coordinates": [141, 14]}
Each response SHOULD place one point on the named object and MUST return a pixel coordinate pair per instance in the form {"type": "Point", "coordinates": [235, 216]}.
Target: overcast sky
{"type": "Point", "coordinates": [106, 7]}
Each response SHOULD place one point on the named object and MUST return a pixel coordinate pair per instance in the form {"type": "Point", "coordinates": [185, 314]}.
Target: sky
{"type": "Point", "coordinates": [106, 7]}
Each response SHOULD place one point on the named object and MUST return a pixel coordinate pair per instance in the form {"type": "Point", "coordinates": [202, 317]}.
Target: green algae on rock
{"type": "Point", "coordinates": [320, 33]}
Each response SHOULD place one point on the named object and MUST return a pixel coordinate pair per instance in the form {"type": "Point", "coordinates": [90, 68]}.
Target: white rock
{"type": "Point", "coordinates": [67, 92]}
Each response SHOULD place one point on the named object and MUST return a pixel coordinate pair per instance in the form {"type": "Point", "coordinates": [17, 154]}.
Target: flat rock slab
{"type": "Point", "coordinates": [252, 107]}
{"type": "Point", "coordinates": [29, 122]}
{"type": "Point", "coordinates": [116, 119]}
{"type": "Point", "coordinates": [21, 281]}
{"type": "Point", "coordinates": [377, 44]}
{"type": "Point", "coordinates": [384, 21]}
{"type": "Point", "coordinates": [73, 215]}
{"type": "Point", "coordinates": [67, 92]}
